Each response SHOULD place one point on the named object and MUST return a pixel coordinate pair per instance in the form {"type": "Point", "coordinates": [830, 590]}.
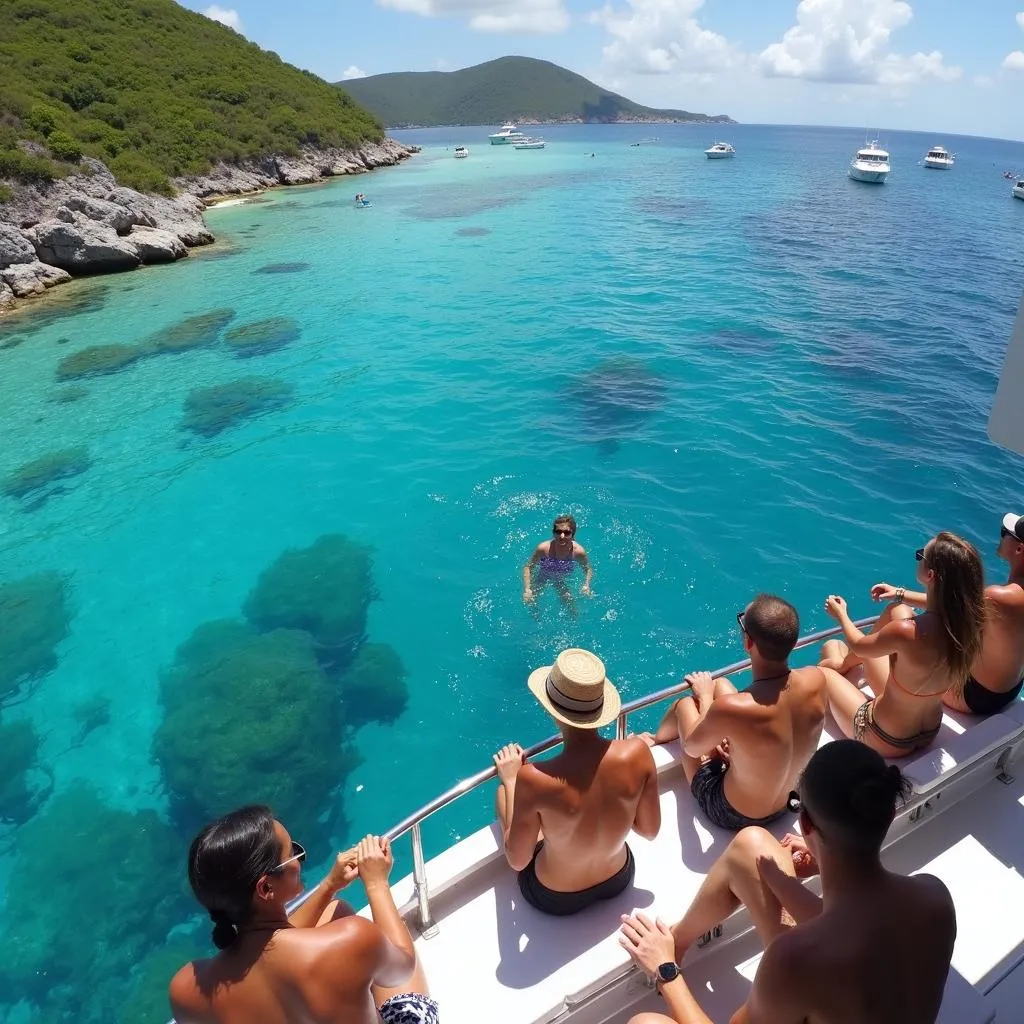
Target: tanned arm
{"type": "Point", "coordinates": [893, 638]}
{"type": "Point", "coordinates": [719, 718]}
{"type": "Point", "coordinates": [588, 569]}
{"type": "Point", "coordinates": [397, 956]}
{"type": "Point", "coordinates": [647, 821]}
{"type": "Point", "coordinates": [528, 572]}
{"type": "Point", "coordinates": [343, 871]}
{"type": "Point", "coordinates": [523, 828]}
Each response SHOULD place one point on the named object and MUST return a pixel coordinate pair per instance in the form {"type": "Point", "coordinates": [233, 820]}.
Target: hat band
{"type": "Point", "coordinates": [563, 700]}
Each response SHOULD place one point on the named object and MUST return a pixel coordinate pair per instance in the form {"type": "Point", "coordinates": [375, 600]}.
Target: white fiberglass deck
{"type": "Point", "coordinates": [494, 950]}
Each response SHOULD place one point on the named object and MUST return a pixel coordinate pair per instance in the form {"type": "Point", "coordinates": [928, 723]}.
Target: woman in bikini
{"type": "Point", "coordinates": [553, 561]}
{"type": "Point", "coordinates": [908, 660]}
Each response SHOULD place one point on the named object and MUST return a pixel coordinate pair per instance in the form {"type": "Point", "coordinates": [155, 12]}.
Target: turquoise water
{"type": "Point", "coordinates": [739, 376]}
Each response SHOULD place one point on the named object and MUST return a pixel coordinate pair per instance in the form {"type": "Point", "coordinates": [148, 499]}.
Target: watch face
{"type": "Point", "coordinates": [668, 972]}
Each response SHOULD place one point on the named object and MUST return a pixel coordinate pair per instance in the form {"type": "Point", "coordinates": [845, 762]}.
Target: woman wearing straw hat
{"type": "Point", "coordinates": [566, 820]}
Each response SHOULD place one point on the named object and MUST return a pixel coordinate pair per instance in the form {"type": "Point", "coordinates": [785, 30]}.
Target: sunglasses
{"type": "Point", "coordinates": [298, 854]}
{"type": "Point", "coordinates": [562, 533]}
{"type": "Point", "coordinates": [919, 554]}
{"type": "Point", "coordinates": [741, 623]}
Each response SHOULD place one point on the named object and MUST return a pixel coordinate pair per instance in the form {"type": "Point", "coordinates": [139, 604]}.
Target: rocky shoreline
{"type": "Point", "coordinates": [88, 224]}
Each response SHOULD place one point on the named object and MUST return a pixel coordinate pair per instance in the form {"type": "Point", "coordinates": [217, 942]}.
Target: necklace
{"type": "Point", "coordinates": [768, 679]}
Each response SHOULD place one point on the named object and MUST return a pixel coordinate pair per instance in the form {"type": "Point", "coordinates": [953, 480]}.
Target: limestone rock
{"type": "Point", "coordinates": [6, 296]}
{"type": "Point", "coordinates": [156, 246]}
{"type": "Point", "coordinates": [84, 249]}
{"type": "Point", "coordinates": [14, 247]}
{"type": "Point", "coordinates": [25, 279]}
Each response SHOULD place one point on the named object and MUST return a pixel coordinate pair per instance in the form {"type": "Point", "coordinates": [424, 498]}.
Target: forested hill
{"type": "Point", "coordinates": [516, 88]}
{"type": "Point", "coordinates": [154, 91]}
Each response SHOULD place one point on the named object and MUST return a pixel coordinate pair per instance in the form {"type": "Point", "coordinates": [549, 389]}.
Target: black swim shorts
{"type": "Point", "coordinates": [561, 904]}
{"type": "Point", "coordinates": [708, 789]}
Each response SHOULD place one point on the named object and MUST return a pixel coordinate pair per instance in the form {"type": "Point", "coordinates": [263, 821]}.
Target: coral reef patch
{"type": "Point", "coordinates": [193, 332]}
{"type": "Point", "coordinates": [35, 616]}
{"type": "Point", "coordinates": [41, 478]}
{"type": "Point", "coordinates": [24, 783]}
{"type": "Point", "coordinates": [97, 360]}
{"type": "Point", "coordinates": [262, 336]}
{"type": "Point", "coordinates": [212, 410]}
{"type": "Point", "coordinates": [373, 686]}
{"type": "Point", "coordinates": [283, 268]}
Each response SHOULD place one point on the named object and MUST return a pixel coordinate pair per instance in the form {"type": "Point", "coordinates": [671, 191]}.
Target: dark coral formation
{"type": "Point", "coordinates": [211, 410]}
{"type": "Point", "coordinates": [283, 268]}
{"type": "Point", "coordinates": [373, 686]}
{"type": "Point", "coordinates": [97, 360]}
{"type": "Point", "coordinates": [146, 1002]}
{"type": "Point", "coordinates": [614, 400]}
{"type": "Point", "coordinates": [24, 783]}
{"type": "Point", "coordinates": [35, 618]}
{"type": "Point", "coordinates": [473, 232]}
{"type": "Point", "coordinates": [65, 396]}
{"type": "Point", "coordinates": [112, 895]}
{"type": "Point", "coordinates": [11, 340]}
{"type": "Point", "coordinates": [250, 718]}
{"type": "Point", "coordinates": [40, 478]}
{"type": "Point", "coordinates": [324, 590]}
{"type": "Point", "coordinates": [262, 336]}
{"type": "Point", "coordinates": [193, 332]}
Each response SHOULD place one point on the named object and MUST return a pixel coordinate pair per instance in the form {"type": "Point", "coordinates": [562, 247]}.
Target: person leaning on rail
{"type": "Point", "coordinates": [743, 752]}
{"type": "Point", "coordinates": [931, 653]}
{"type": "Point", "coordinates": [875, 948]}
{"type": "Point", "coordinates": [584, 801]}
{"type": "Point", "coordinates": [322, 962]}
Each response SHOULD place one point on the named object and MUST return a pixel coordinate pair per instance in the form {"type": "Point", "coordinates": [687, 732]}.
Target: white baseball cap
{"type": "Point", "coordinates": [1013, 523]}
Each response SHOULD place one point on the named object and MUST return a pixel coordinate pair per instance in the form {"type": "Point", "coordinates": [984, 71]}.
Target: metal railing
{"type": "Point", "coordinates": [413, 822]}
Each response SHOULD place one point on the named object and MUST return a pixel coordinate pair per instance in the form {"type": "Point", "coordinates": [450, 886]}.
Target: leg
{"type": "Point", "coordinates": [733, 880]}
{"type": "Point", "coordinates": [836, 656]}
{"type": "Point", "coordinates": [876, 670]}
{"type": "Point", "coordinates": [687, 719]}
{"type": "Point", "coordinates": [843, 700]}
{"type": "Point", "coordinates": [565, 594]}
{"type": "Point", "coordinates": [723, 686]}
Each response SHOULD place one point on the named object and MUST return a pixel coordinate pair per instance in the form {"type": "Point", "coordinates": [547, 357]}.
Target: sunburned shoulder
{"type": "Point", "coordinates": [1009, 595]}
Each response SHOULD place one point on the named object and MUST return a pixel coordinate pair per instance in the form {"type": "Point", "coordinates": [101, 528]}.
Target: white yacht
{"type": "Point", "coordinates": [529, 143]}
{"type": "Point", "coordinates": [1018, 189]}
{"type": "Point", "coordinates": [461, 153]}
{"type": "Point", "coordinates": [719, 151]}
{"type": "Point", "coordinates": [870, 164]}
{"type": "Point", "coordinates": [939, 158]}
{"type": "Point", "coordinates": [507, 134]}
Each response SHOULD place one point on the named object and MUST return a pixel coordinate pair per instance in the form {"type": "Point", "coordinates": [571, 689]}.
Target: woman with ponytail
{"type": "Point", "coordinates": [908, 660]}
{"type": "Point", "coordinates": [322, 962]}
{"type": "Point", "coordinates": [874, 948]}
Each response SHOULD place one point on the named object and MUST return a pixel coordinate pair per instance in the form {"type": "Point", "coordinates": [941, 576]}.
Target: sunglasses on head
{"type": "Point", "coordinates": [919, 554]}
{"type": "Point", "coordinates": [298, 854]}
{"type": "Point", "coordinates": [741, 623]}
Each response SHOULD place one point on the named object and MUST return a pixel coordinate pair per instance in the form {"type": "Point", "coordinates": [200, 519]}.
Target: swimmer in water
{"type": "Point", "coordinates": [553, 561]}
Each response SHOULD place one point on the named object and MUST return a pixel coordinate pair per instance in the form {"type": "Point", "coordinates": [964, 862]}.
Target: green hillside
{"type": "Point", "coordinates": [153, 90]}
{"type": "Point", "coordinates": [517, 88]}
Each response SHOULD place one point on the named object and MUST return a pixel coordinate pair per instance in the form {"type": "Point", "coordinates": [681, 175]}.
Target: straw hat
{"type": "Point", "coordinates": [576, 691]}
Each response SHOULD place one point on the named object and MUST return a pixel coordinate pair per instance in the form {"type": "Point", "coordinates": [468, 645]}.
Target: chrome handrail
{"type": "Point", "coordinates": [460, 789]}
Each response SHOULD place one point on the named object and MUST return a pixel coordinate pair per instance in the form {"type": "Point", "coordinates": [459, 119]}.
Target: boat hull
{"type": "Point", "coordinates": [870, 177]}
{"type": "Point", "coordinates": [496, 141]}
{"type": "Point", "coordinates": [938, 165]}
{"type": "Point", "coordinates": [1018, 193]}
{"type": "Point", "coordinates": [719, 156]}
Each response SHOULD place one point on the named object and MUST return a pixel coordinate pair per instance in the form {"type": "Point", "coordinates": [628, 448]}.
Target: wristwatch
{"type": "Point", "coordinates": [666, 973]}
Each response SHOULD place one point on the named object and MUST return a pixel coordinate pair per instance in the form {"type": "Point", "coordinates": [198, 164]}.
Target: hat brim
{"type": "Point", "coordinates": [605, 715]}
{"type": "Point", "coordinates": [1011, 523]}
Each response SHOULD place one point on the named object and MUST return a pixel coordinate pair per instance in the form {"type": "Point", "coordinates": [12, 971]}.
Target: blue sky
{"type": "Point", "coordinates": [933, 65]}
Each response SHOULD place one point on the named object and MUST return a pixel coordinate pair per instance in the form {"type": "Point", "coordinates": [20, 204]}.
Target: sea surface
{"type": "Point", "coordinates": [739, 376]}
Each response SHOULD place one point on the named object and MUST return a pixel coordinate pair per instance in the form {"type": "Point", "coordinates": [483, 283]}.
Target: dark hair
{"type": "Point", "coordinates": [773, 624]}
{"type": "Point", "coordinates": [850, 794]}
{"type": "Point", "coordinates": [959, 590]}
{"type": "Point", "coordinates": [565, 519]}
{"type": "Point", "coordinates": [226, 860]}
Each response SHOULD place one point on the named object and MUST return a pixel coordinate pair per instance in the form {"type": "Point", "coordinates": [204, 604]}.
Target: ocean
{"type": "Point", "coordinates": [739, 376]}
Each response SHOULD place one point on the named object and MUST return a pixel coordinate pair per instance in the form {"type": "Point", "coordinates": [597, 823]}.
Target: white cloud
{"type": "Point", "coordinates": [662, 37]}
{"type": "Point", "coordinates": [1020, 19]}
{"type": "Point", "coordinates": [849, 41]}
{"type": "Point", "coordinates": [225, 15]}
{"type": "Point", "coordinates": [1014, 61]}
{"type": "Point", "coordinates": [527, 16]}
{"type": "Point", "coordinates": [352, 72]}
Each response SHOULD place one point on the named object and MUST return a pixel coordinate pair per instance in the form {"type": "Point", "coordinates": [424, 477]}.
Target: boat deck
{"type": "Point", "coordinates": [494, 950]}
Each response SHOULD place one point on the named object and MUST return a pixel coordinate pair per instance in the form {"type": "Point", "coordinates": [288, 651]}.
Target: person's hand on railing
{"type": "Point", "coordinates": [344, 871]}
{"type": "Point", "coordinates": [702, 686]}
{"type": "Point", "coordinates": [508, 761]}
{"type": "Point", "coordinates": [374, 860]}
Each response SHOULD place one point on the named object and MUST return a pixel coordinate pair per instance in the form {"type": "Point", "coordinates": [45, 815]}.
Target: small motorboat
{"type": "Point", "coordinates": [461, 152]}
{"type": "Point", "coordinates": [870, 164]}
{"type": "Point", "coordinates": [719, 151]}
{"type": "Point", "coordinates": [1018, 189]}
{"type": "Point", "coordinates": [939, 158]}
{"type": "Point", "coordinates": [508, 133]}
{"type": "Point", "coordinates": [529, 143]}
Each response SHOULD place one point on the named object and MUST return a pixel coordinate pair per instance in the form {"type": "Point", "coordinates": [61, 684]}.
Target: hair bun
{"type": "Point", "coordinates": [224, 930]}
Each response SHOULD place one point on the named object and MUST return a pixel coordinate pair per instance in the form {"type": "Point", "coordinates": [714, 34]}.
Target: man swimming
{"type": "Point", "coordinates": [743, 752]}
{"type": "Point", "coordinates": [584, 801]}
{"type": "Point", "coordinates": [875, 947]}
{"type": "Point", "coordinates": [997, 673]}
{"type": "Point", "coordinates": [554, 560]}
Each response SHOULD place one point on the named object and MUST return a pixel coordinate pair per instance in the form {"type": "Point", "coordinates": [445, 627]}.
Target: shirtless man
{"type": "Point", "coordinates": [566, 819]}
{"type": "Point", "coordinates": [553, 561]}
{"type": "Point", "coordinates": [322, 963]}
{"type": "Point", "coordinates": [997, 674]}
{"type": "Point", "coordinates": [875, 947]}
{"type": "Point", "coordinates": [743, 752]}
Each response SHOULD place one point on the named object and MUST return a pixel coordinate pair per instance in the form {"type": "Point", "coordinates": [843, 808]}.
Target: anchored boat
{"type": "Point", "coordinates": [870, 164]}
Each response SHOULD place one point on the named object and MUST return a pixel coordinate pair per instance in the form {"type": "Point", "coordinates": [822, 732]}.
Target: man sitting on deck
{"type": "Point", "coordinates": [743, 752]}
{"type": "Point", "coordinates": [875, 947]}
{"type": "Point", "coordinates": [566, 819]}
{"type": "Point", "coordinates": [997, 675]}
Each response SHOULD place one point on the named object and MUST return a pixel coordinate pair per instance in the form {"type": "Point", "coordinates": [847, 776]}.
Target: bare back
{"type": "Point", "coordinates": [1000, 665]}
{"type": "Point", "coordinates": [773, 728]}
{"type": "Point", "coordinates": [588, 799]}
{"type": "Point", "coordinates": [291, 976]}
{"type": "Point", "coordinates": [881, 957]}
